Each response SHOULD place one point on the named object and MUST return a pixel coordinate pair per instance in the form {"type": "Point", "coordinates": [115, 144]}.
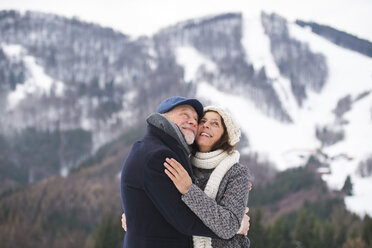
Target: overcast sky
{"type": "Point", "coordinates": [145, 17]}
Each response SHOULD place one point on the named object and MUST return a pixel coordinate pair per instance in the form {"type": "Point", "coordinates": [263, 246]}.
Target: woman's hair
{"type": "Point", "coordinates": [223, 142]}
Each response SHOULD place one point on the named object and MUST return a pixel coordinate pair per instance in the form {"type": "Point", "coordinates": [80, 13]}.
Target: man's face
{"type": "Point", "coordinates": [186, 118]}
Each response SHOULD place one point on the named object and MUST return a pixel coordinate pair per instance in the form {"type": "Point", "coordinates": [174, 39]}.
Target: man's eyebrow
{"type": "Point", "coordinates": [186, 108]}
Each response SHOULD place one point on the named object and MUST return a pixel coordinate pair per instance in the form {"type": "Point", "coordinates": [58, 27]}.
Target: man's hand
{"type": "Point", "coordinates": [244, 228]}
{"type": "Point", "coordinates": [124, 222]}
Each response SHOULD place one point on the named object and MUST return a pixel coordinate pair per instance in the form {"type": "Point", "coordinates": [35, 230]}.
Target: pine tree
{"type": "Point", "coordinates": [315, 234]}
{"type": "Point", "coordinates": [304, 229]}
{"type": "Point", "coordinates": [341, 236]}
{"type": "Point", "coordinates": [328, 236]}
{"type": "Point", "coordinates": [348, 186]}
{"type": "Point", "coordinates": [109, 233]}
{"type": "Point", "coordinates": [367, 230]}
{"type": "Point", "coordinates": [355, 243]}
{"type": "Point", "coordinates": [279, 235]}
{"type": "Point", "coordinates": [257, 234]}
{"type": "Point", "coordinates": [12, 81]}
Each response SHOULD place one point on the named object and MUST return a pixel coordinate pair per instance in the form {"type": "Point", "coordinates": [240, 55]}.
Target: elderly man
{"type": "Point", "coordinates": [156, 215]}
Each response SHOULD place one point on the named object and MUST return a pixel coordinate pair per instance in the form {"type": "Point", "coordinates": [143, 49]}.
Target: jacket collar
{"type": "Point", "coordinates": [160, 122]}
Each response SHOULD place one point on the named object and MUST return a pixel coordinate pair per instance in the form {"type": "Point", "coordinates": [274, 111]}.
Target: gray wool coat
{"type": "Point", "coordinates": [224, 214]}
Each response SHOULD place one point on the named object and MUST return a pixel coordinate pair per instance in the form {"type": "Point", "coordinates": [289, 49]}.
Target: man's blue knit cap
{"type": "Point", "coordinates": [174, 101]}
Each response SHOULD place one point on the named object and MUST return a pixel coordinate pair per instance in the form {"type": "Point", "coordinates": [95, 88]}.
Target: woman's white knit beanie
{"type": "Point", "coordinates": [233, 129]}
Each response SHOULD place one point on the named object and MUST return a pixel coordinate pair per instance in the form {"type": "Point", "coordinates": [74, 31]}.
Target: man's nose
{"type": "Point", "coordinates": [193, 122]}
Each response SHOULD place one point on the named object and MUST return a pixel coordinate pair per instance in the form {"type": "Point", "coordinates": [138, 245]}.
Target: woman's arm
{"type": "Point", "coordinates": [223, 218]}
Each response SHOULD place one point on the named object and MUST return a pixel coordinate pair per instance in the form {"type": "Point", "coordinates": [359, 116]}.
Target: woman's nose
{"type": "Point", "coordinates": [206, 125]}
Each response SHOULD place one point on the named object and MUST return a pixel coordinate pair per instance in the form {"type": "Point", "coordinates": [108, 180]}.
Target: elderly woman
{"type": "Point", "coordinates": [221, 185]}
{"type": "Point", "coordinates": [219, 193]}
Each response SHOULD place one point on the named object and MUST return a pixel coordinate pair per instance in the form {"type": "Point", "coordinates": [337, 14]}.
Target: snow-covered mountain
{"type": "Point", "coordinates": [348, 149]}
{"type": "Point", "coordinates": [295, 94]}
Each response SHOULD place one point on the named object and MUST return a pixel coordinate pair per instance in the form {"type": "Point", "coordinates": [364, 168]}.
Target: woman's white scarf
{"type": "Point", "coordinates": [221, 162]}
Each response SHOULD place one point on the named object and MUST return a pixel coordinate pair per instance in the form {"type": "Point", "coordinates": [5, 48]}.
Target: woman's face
{"type": "Point", "coordinates": [210, 130]}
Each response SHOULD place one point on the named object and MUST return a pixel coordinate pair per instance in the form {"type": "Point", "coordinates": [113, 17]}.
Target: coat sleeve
{"type": "Point", "coordinates": [224, 217]}
{"type": "Point", "coordinates": [167, 199]}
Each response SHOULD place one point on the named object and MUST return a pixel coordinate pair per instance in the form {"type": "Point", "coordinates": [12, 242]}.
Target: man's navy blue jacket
{"type": "Point", "coordinates": [156, 216]}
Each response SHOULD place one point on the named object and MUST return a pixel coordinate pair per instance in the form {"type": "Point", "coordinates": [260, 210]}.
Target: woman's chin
{"type": "Point", "coordinates": [203, 146]}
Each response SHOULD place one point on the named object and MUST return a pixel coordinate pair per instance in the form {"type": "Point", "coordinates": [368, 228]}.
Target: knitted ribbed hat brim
{"type": "Point", "coordinates": [233, 130]}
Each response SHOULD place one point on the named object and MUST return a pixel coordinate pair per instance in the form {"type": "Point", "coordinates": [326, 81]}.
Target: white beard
{"type": "Point", "coordinates": [189, 137]}
{"type": "Point", "coordinates": [188, 134]}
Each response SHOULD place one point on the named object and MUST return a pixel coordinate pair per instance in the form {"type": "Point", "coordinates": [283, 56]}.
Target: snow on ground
{"type": "Point", "coordinates": [257, 46]}
{"type": "Point", "coordinates": [13, 51]}
{"type": "Point", "coordinates": [360, 203]}
{"type": "Point", "coordinates": [278, 142]}
{"type": "Point", "coordinates": [350, 73]}
{"type": "Point", "coordinates": [357, 147]}
{"type": "Point", "coordinates": [37, 83]}
{"type": "Point", "coordinates": [264, 133]}
{"type": "Point", "coordinates": [185, 54]}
